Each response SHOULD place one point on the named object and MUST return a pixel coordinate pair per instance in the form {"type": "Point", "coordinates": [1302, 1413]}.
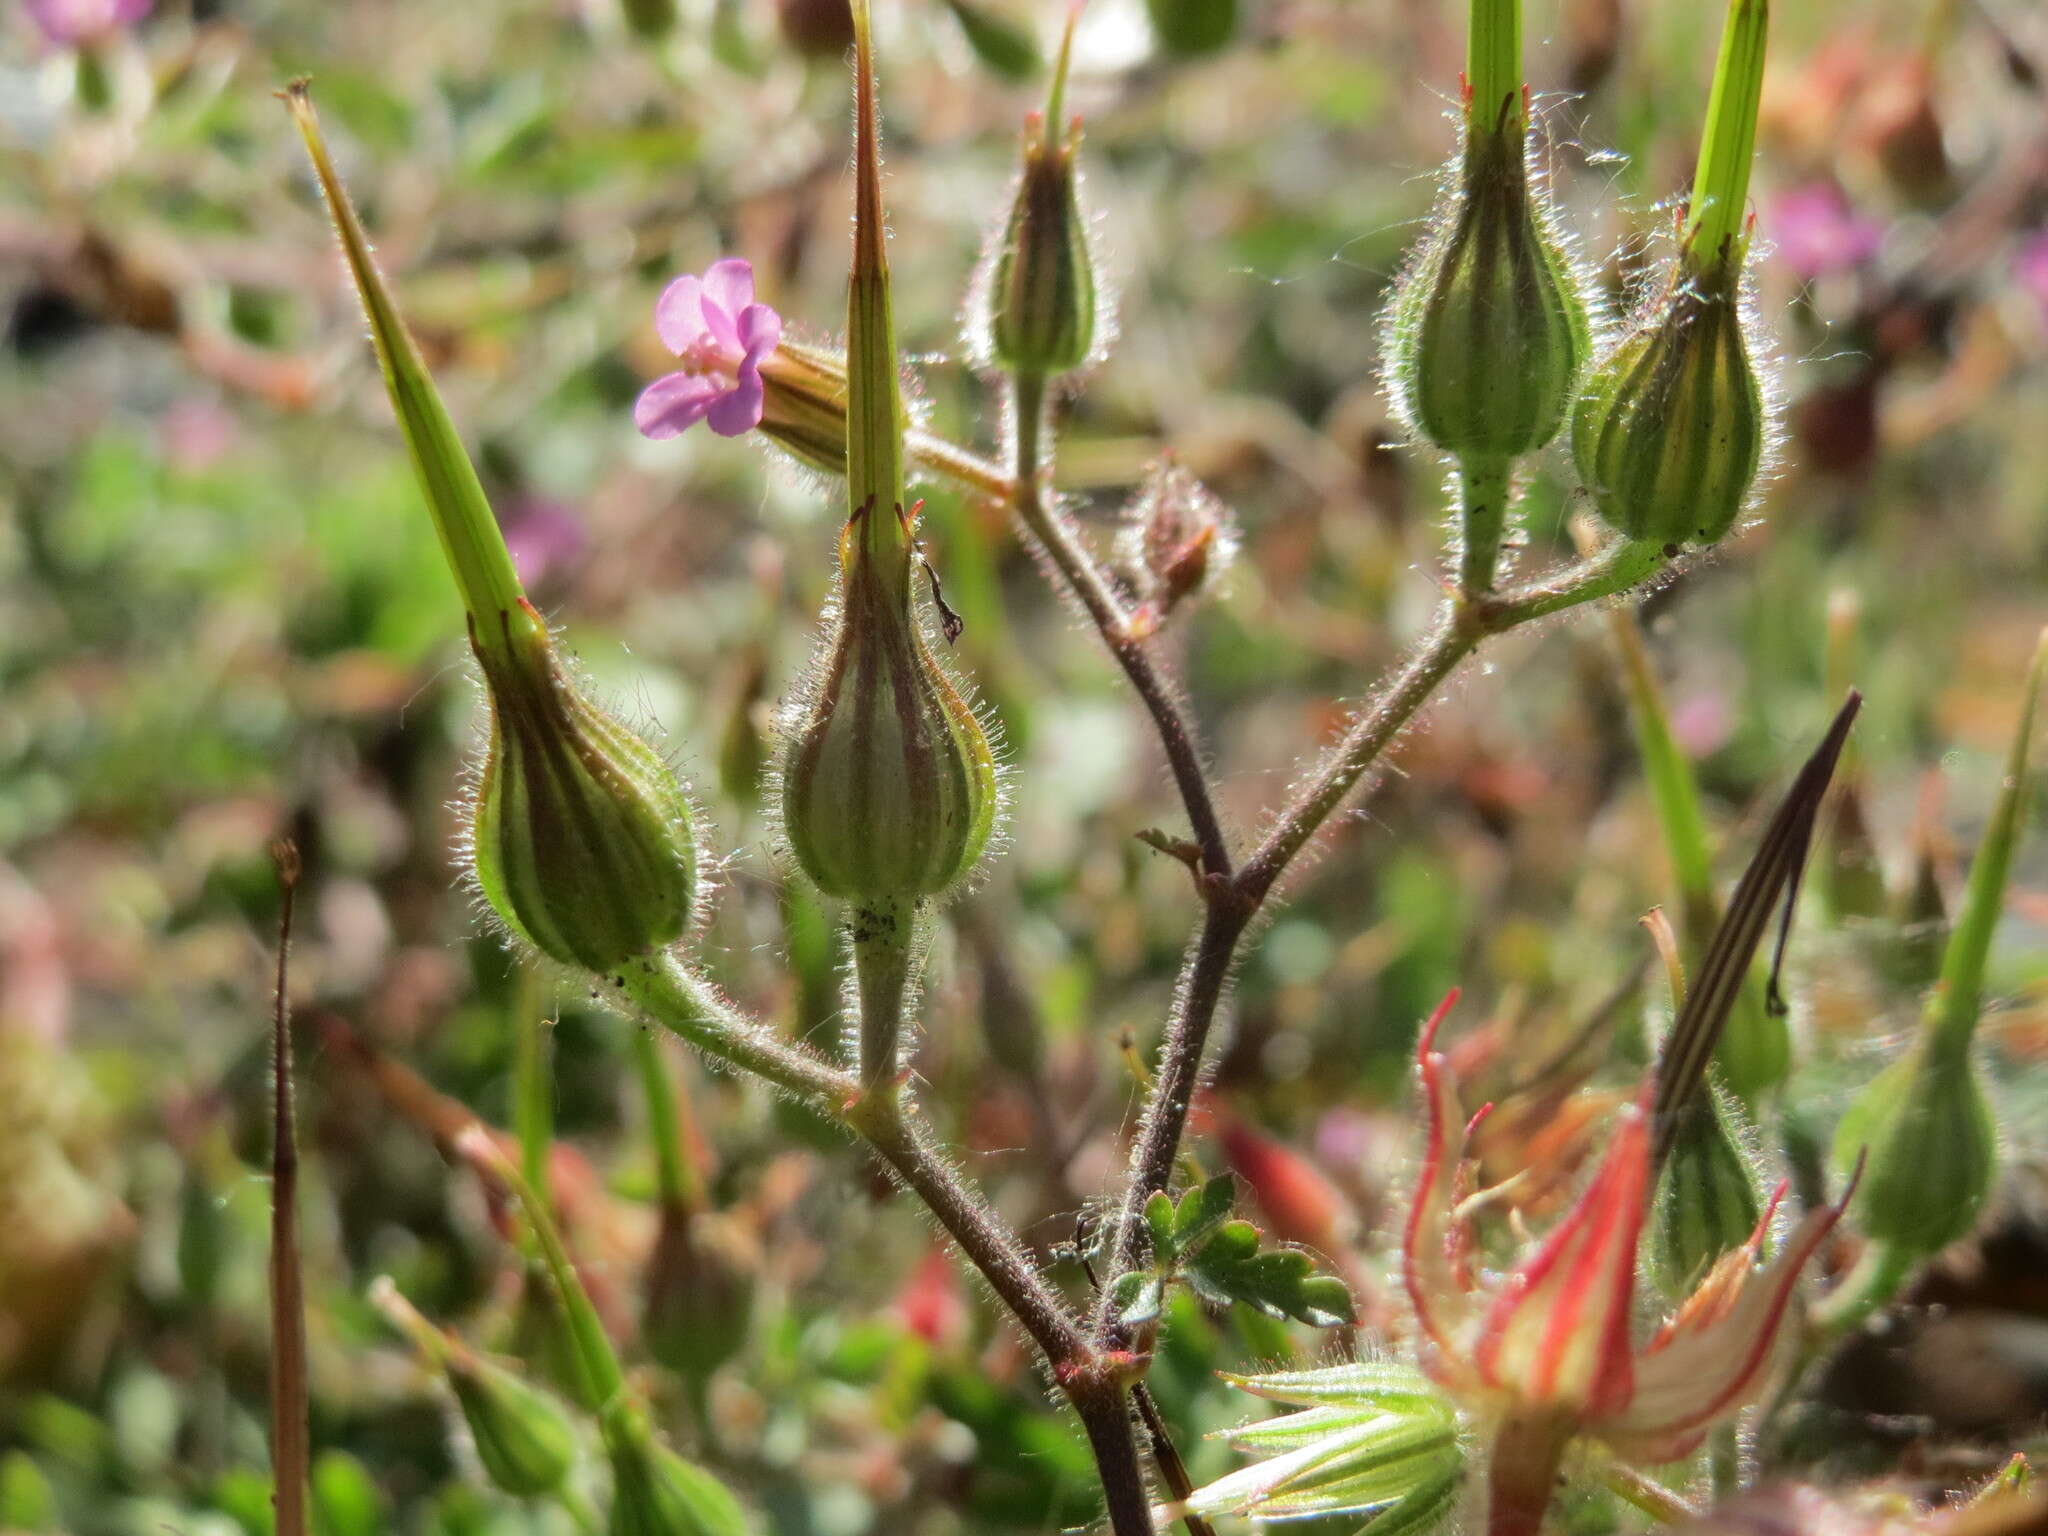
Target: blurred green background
{"type": "Point", "coordinates": [223, 619]}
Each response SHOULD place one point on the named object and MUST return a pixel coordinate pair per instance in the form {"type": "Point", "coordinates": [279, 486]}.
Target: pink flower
{"type": "Point", "coordinates": [2031, 268]}
{"type": "Point", "coordinates": [68, 23]}
{"type": "Point", "coordinates": [1555, 1332]}
{"type": "Point", "coordinates": [722, 336]}
{"type": "Point", "coordinates": [1817, 232]}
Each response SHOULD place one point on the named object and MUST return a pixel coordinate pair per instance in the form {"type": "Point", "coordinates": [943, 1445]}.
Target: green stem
{"type": "Point", "coordinates": [1672, 785]}
{"type": "Point", "coordinates": [594, 1350]}
{"type": "Point", "coordinates": [533, 1108]}
{"type": "Point", "coordinates": [1720, 186]}
{"type": "Point", "coordinates": [1958, 997]}
{"type": "Point", "coordinates": [1493, 62]}
{"type": "Point", "coordinates": [1875, 1279]}
{"type": "Point", "coordinates": [883, 936]}
{"type": "Point", "coordinates": [1042, 520]}
{"type": "Point", "coordinates": [1645, 1493]}
{"type": "Point", "coordinates": [1724, 1461]}
{"type": "Point", "coordinates": [1484, 489]}
{"type": "Point", "coordinates": [675, 1178]}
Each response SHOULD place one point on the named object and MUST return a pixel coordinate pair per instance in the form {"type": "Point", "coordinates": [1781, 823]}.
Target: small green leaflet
{"type": "Point", "coordinates": [1221, 1259]}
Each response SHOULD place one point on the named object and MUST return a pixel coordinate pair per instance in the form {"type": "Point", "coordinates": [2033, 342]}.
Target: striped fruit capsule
{"type": "Point", "coordinates": [889, 783]}
{"type": "Point", "coordinates": [1668, 434]}
{"type": "Point", "coordinates": [1041, 276]}
{"type": "Point", "coordinates": [1933, 1150]}
{"type": "Point", "coordinates": [581, 834]}
{"type": "Point", "coordinates": [1489, 325]}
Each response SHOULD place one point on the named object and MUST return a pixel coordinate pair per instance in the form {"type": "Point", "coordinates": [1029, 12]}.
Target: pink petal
{"type": "Point", "coordinates": [679, 313]}
{"type": "Point", "coordinates": [1427, 1272]}
{"type": "Point", "coordinates": [760, 331]}
{"type": "Point", "coordinates": [1558, 1331]}
{"type": "Point", "coordinates": [1712, 1359]}
{"type": "Point", "coordinates": [738, 410]}
{"type": "Point", "coordinates": [674, 403]}
{"type": "Point", "coordinates": [729, 284]}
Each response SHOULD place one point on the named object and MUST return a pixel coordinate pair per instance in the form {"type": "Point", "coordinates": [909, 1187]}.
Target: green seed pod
{"type": "Point", "coordinates": [1932, 1145]}
{"type": "Point", "coordinates": [581, 833]}
{"type": "Point", "coordinates": [1489, 326]}
{"type": "Point", "coordinates": [657, 1493]}
{"type": "Point", "coordinates": [524, 1440]}
{"type": "Point", "coordinates": [1706, 1202]}
{"type": "Point", "coordinates": [1668, 434]}
{"type": "Point", "coordinates": [1036, 304]}
{"type": "Point", "coordinates": [700, 1291]}
{"type": "Point", "coordinates": [889, 783]}
{"type": "Point", "coordinates": [1040, 299]}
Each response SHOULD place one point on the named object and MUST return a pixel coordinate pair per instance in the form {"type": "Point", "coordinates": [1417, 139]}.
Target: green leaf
{"type": "Point", "coordinates": [1281, 1282]}
{"type": "Point", "coordinates": [1138, 1296]}
{"type": "Point", "coordinates": [1159, 1221]}
{"type": "Point", "coordinates": [1202, 1210]}
{"type": "Point", "coordinates": [1006, 48]}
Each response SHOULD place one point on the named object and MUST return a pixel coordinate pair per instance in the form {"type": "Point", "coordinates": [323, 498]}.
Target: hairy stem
{"type": "Point", "coordinates": [883, 936]}
{"type": "Point", "coordinates": [1106, 1416]}
{"type": "Point", "coordinates": [1485, 486]}
{"type": "Point", "coordinates": [1646, 1494]}
{"type": "Point", "coordinates": [1459, 629]}
{"type": "Point", "coordinates": [674, 1177]}
{"type": "Point", "coordinates": [668, 993]}
{"type": "Point", "coordinates": [1105, 609]}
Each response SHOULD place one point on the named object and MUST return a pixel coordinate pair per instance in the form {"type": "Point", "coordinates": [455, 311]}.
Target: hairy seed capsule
{"type": "Point", "coordinates": [701, 1282]}
{"type": "Point", "coordinates": [1933, 1149]}
{"type": "Point", "coordinates": [657, 1493]}
{"type": "Point", "coordinates": [889, 783]}
{"type": "Point", "coordinates": [581, 833]}
{"type": "Point", "coordinates": [1706, 1201]}
{"type": "Point", "coordinates": [1490, 325]}
{"type": "Point", "coordinates": [1669, 432]}
{"type": "Point", "coordinates": [1041, 289]}
{"type": "Point", "coordinates": [524, 1440]}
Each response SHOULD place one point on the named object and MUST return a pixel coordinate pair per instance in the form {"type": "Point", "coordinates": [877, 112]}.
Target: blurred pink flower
{"type": "Point", "coordinates": [1817, 232]}
{"type": "Point", "coordinates": [68, 23]}
{"type": "Point", "coordinates": [196, 433]}
{"type": "Point", "coordinates": [542, 536]}
{"type": "Point", "coordinates": [2031, 268]}
{"type": "Point", "coordinates": [713, 324]}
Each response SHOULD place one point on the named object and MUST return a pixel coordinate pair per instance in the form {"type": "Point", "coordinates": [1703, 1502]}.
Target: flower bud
{"type": "Point", "coordinates": [1040, 292]}
{"type": "Point", "coordinates": [1177, 541]}
{"type": "Point", "coordinates": [1669, 433]}
{"type": "Point", "coordinates": [657, 1493]}
{"type": "Point", "coordinates": [1036, 302]}
{"type": "Point", "coordinates": [700, 1291]}
{"type": "Point", "coordinates": [581, 834]}
{"type": "Point", "coordinates": [1932, 1146]}
{"type": "Point", "coordinates": [1489, 326]}
{"type": "Point", "coordinates": [524, 1440]}
{"type": "Point", "coordinates": [1706, 1202]}
{"type": "Point", "coordinates": [889, 783]}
